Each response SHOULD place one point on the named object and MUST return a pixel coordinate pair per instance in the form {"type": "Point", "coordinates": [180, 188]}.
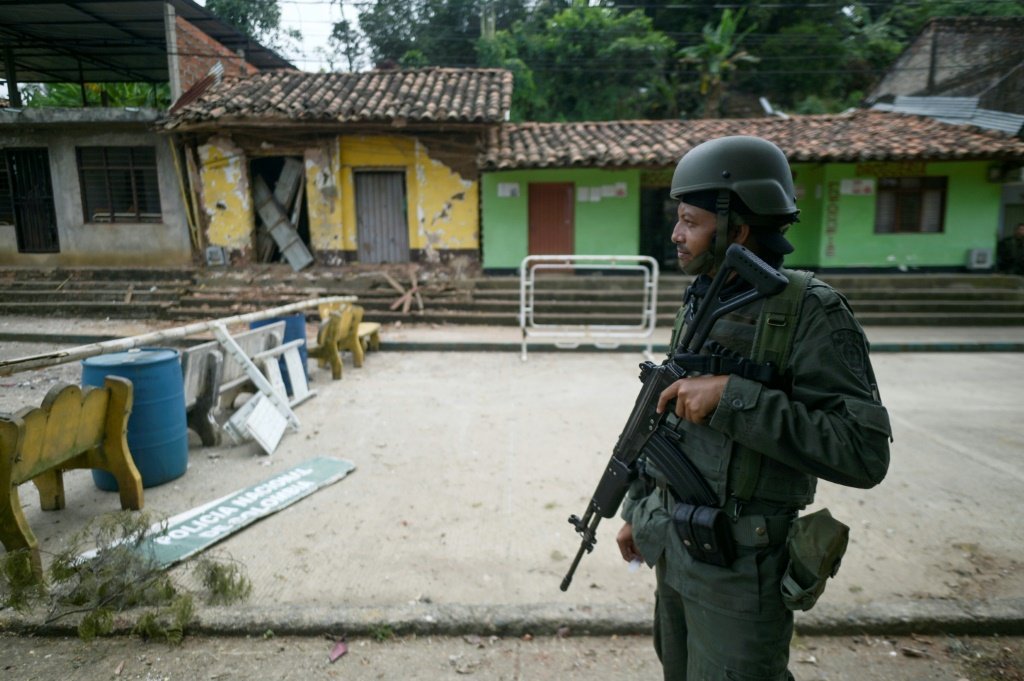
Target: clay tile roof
{"type": "Point", "coordinates": [858, 136]}
{"type": "Point", "coordinates": [434, 95]}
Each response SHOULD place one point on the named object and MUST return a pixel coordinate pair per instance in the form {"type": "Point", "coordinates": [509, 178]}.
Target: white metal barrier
{"type": "Point", "coordinates": [601, 335]}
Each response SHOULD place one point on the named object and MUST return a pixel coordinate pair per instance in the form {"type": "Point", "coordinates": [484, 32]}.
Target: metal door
{"type": "Point", "coordinates": [30, 193]}
{"type": "Point", "coordinates": [552, 218]}
{"type": "Point", "coordinates": [382, 228]}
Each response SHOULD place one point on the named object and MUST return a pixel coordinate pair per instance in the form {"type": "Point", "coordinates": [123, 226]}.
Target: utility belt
{"type": "Point", "coordinates": [815, 542]}
{"type": "Point", "coordinates": [710, 534]}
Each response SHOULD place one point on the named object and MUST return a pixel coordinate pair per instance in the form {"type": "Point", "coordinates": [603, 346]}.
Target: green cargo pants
{"type": "Point", "coordinates": [695, 643]}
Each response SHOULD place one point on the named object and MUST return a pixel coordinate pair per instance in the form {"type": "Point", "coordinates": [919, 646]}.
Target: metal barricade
{"type": "Point", "coordinates": [601, 335]}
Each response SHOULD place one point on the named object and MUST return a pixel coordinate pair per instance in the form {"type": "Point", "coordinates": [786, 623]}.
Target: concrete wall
{"type": "Point", "coordinates": [806, 235]}
{"type": "Point", "coordinates": [226, 196]}
{"type": "Point", "coordinates": [607, 222]}
{"type": "Point", "coordinates": [844, 221]}
{"type": "Point", "coordinates": [164, 244]}
{"type": "Point", "coordinates": [442, 205]}
{"type": "Point", "coordinates": [836, 228]}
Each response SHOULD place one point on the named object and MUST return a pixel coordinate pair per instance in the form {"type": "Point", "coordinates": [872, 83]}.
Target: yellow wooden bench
{"type": "Point", "coordinates": [71, 429]}
{"type": "Point", "coordinates": [360, 336]}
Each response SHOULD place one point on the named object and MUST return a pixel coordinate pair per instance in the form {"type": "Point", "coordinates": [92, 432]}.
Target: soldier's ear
{"type": "Point", "coordinates": [741, 235]}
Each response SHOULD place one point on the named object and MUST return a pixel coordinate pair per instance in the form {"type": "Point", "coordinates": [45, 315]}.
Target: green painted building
{"type": "Point", "coordinates": [875, 190]}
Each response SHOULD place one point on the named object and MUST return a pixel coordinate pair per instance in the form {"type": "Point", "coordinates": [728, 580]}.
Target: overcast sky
{"type": "Point", "coordinates": [314, 20]}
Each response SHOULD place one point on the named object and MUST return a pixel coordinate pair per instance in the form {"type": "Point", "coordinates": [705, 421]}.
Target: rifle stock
{"type": "Point", "coordinates": [644, 420]}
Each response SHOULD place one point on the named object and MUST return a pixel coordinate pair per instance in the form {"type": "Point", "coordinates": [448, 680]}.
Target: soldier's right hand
{"type": "Point", "coordinates": [627, 547]}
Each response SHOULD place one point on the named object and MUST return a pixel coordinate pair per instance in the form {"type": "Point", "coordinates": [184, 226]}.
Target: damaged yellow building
{"type": "Point", "coordinates": [374, 167]}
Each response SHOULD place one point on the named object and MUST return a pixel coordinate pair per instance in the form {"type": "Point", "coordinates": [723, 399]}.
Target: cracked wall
{"type": "Point", "coordinates": [442, 207]}
{"type": "Point", "coordinates": [324, 202]}
{"type": "Point", "coordinates": [227, 197]}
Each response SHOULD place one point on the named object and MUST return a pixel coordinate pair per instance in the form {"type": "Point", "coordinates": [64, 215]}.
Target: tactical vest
{"type": "Point", "coordinates": [764, 332]}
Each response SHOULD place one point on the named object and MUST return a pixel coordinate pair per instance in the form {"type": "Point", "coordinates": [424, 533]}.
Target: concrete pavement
{"type": "Point", "coordinates": [468, 464]}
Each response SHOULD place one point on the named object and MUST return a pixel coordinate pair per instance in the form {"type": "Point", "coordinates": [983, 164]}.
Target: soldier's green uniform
{"type": "Point", "coordinates": [761, 452]}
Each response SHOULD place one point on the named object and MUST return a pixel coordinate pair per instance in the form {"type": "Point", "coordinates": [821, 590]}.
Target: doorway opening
{"type": "Point", "coordinates": [285, 177]}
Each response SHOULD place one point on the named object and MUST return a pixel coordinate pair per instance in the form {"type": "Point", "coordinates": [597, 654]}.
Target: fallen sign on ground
{"type": "Point", "coordinates": [186, 534]}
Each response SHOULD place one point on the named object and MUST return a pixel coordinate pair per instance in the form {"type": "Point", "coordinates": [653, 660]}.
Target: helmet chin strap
{"type": "Point", "coordinates": [701, 264]}
{"type": "Point", "coordinates": [712, 258]}
{"type": "Point", "coordinates": [721, 227]}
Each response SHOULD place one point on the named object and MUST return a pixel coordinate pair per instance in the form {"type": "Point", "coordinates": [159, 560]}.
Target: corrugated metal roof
{"type": "Point", "coordinates": [945, 107]}
{"type": "Point", "coordinates": [63, 41]}
{"type": "Point", "coordinates": [956, 111]}
{"type": "Point", "coordinates": [1010, 123]}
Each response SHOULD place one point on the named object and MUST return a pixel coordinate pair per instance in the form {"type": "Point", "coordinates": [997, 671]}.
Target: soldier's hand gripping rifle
{"type": "Point", "coordinates": [643, 421]}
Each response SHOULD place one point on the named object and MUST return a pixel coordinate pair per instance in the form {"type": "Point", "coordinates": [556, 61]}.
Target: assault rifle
{"type": "Point", "coordinates": [643, 421]}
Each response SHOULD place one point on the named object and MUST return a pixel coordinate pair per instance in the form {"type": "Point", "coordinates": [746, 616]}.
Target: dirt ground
{"type": "Point", "coordinates": [515, 456]}
{"type": "Point", "coordinates": [985, 560]}
{"type": "Point", "coordinates": [861, 658]}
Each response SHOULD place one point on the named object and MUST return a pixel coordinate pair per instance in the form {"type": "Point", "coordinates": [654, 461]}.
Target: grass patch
{"type": "Point", "coordinates": [382, 632]}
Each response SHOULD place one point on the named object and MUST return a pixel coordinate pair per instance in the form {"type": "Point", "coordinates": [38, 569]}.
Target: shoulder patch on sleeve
{"type": "Point", "coordinates": [849, 346]}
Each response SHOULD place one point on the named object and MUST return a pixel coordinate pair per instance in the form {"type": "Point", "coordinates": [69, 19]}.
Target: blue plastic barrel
{"type": "Point", "coordinates": [294, 329]}
{"type": "Point", "coordinates": [157, 432]}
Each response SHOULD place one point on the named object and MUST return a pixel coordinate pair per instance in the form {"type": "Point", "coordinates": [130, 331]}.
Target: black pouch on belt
{"type": "Point", "coordinates": [705, 533]}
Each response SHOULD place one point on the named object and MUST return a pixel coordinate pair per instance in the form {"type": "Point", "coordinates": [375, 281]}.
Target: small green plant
{"type": "Point", "coordinates": [225, 583]}
{"type": "Point", "coordinates": [19, 587]}
{"type": "Point", "coordinates": [382, 632]}
{"type": "Point", "coordinates": [118, 575]}
{"type": "Point", "coordinates": [98, 622]}
{"type": "Point", "coordinates": [167, 623]}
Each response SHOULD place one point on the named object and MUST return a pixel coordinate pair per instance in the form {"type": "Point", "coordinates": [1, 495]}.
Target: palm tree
{"type": "Point", "coordinates": [716, 56]}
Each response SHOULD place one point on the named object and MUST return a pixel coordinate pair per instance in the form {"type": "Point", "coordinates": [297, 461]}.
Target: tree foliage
{"type": "Point", "coordinates": [151, 95]}
{"type": "Point", "coordinates": [716, 56]}
{"type": "Point", "coordinates": [258, 19]}
{"type": "Point", "coordinates": [590, 63]}
{"type": "Point", "coordinates": [432, 32]}
{"type": "Point", "coordinates": [576, 59]}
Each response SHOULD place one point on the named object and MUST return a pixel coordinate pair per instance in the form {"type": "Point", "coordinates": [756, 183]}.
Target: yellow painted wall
{"type": "Point", "coordinates": [324, 198]}
{"type": "Point", "coordinates": [442, 206]}
{"type": "Point", "coordinates": [227, 198]}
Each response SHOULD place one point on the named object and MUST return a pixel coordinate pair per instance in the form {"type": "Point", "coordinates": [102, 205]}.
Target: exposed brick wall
{"type": "Point", "coordinates": [197, 52]}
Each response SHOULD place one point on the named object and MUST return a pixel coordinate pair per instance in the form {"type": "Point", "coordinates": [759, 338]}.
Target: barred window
{"type": "Point", "coordinates": [910, 204]}
{"type": "Point", "coordinates": [119, 184]}
{"type": "Point", "coordinates": [6, 192]}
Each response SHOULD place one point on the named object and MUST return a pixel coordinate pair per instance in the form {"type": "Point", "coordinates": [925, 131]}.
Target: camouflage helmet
{"type": "Point", "coordinates": [753, 168]}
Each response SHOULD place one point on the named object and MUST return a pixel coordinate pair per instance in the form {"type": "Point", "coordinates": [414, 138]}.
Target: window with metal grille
{"type": "Point", "coordinates": [6, 192]}
{"type": "Point", "coordinates": [119, 184]}
{"type": "Point", "coordinates": [910, 204]}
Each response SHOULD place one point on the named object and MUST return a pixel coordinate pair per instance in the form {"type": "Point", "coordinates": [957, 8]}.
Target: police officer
{"type": "Point", "coordinates": [760, 448]}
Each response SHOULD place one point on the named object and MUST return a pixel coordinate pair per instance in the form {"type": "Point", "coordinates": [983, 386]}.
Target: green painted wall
{"type": "Point", "coordinates": [846, 223]}
{"type": "Point", "coordinates": [836, 230]}
{"type": "Point", "coordinates": [806, 234]}
{"type": "Point", "coordinates": [607, 226]}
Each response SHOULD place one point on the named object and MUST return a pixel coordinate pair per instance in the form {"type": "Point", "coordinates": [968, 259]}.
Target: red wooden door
{"type": "Point", "coordinates": [552, 218]}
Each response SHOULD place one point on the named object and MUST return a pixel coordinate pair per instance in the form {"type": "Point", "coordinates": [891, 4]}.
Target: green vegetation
{"type": "Point", "coordinates": [576, 60]}
{"type": "Point", "coordinates": [152, 95]}
{"type": "Point", "coordinates": [382, 632]}
{"type": "Point", "coordinates": [258, 19]}
{"type": "Point", "coordinates": [607, 59]}
{"type": "Point", "coordinates": [716, 56]}
{"type": "Point", "coordinates": [120, 577]}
